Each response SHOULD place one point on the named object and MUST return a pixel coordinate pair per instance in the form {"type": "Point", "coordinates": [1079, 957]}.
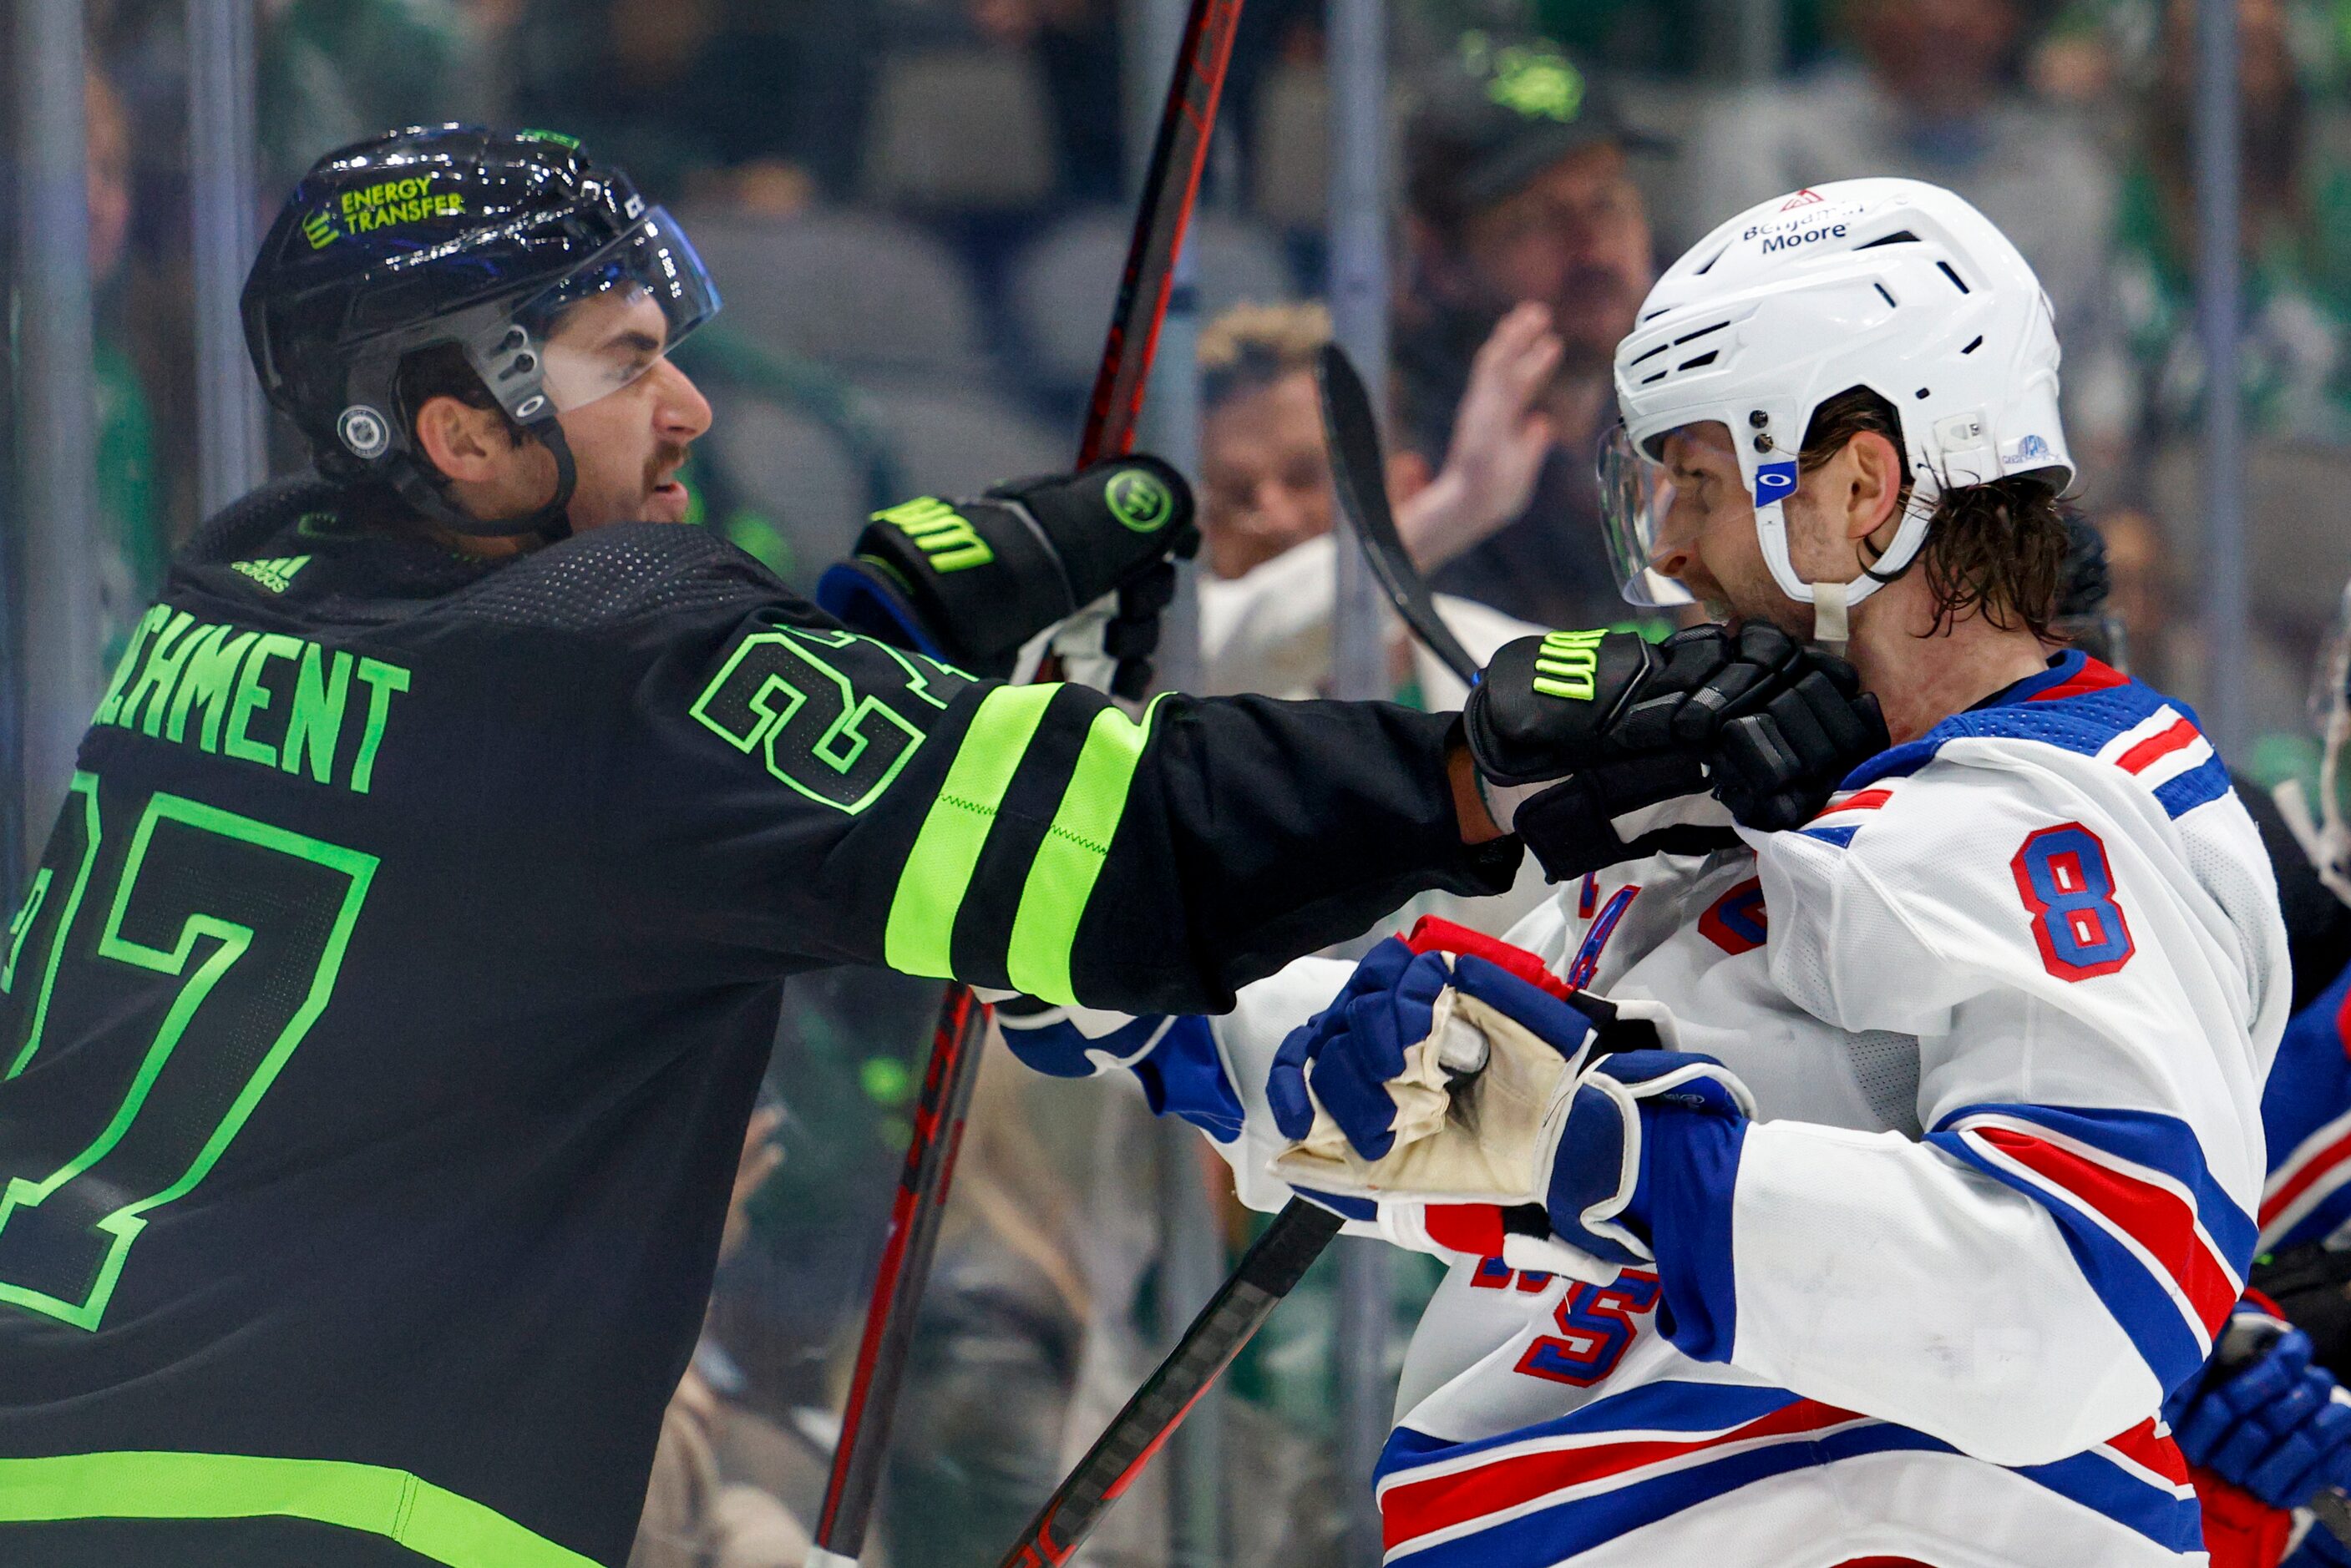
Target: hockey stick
{"type": "Point", "coordinates": [1359, 474]}
{"type": "Point", "coordinates": [1268, 1271]}
{"type": "Point", "coordinates": [1273, 1265]}
{"type": "Point", "coordinates": [1169, 188]}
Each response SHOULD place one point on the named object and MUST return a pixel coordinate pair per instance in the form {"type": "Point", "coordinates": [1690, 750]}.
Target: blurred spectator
{"type": "Point", "coordinates": [1517, 193]}
{"type": "Point", "coordinates": [1076, 44]}
{"type": "Point", "coordinates": [764, 102]}
{"type": "Point", "coordinates": [1932, 96]}
{"type": "Point", "coordinates": [2296, 371]}
{"type": "Point", "coordinates": [333, 71]}
{"type": "Point", "coordinates": [1039, 1322]}
{"type": "Point", "coordinates": [728, 1487]}
{"type": "Point", "coordinates": [131, 548]}
{"type": "Point", "coordinates": [2140, 592]}
{"type": "Point", "coordinates": [1267, 504]}
{"type": "Point", "coordinates": [2139, 403]}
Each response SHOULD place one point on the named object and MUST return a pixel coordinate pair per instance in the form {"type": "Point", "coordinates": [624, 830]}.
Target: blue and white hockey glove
{"type": "Point", "coordinates": [1598, 1194]}
{"type": "Point", "coordinates": [1365, 1061]}
{"type": "Point", "coordinates": [2262, 1418]}
{"type": "Point", "coordinates": [1176, 1059]}
{"type": "Point", "coordinates": [1350, 1050]}
{"type": "Point", "coordinates": [1542, 1132]}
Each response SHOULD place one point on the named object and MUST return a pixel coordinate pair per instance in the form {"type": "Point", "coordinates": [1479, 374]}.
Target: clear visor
{"type": "Point", "coordinates": [1636, 494]}
{"type": "Point", "coordinates": [607, 322]}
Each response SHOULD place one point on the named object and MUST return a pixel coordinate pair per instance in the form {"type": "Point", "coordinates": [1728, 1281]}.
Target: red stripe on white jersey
{"type": "Point", "coordinates": [2142, 756]}
{"type": "Point", "coordinates": [2153, 1455]}
{"type": "Point", "coordinates": [1860, 800]}
{"type": "Point", "coordinates": [1415, 1503]}
{"type": "Point", "coordinates": [2159, 748]}
{"type": "Point", "coordinates": [2319, 1165]}
{"type": "Point", "coordinates": [2153, 1216]}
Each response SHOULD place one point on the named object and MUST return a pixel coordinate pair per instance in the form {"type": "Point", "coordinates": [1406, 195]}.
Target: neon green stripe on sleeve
{"type": "Point", "coordinates": [436, 1524]}
{"type": "Point", "coordinates": [921, 932]}
{"type": "Point", "coordinates": [1061, 878]}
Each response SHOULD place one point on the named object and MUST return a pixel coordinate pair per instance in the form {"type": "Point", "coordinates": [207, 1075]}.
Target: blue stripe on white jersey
{"type": "Point", "coordinates": [2081, 706]}
{"type": "Point", "coordinates": [2164, 1248]}
{"type": "Point", "coordinates": [1545, 1493]}
{"type": "Point", "coordinates": [2306, 1117]}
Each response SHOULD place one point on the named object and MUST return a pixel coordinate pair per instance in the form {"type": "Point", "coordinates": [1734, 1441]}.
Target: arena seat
{"type": "Point", "coordinates": [1063, 286]}
{"type": "Point", "coordinates": [856, 290]}
{"type": "Point", "coordinates": [958, 131]}
{"type": "Point", "coordinates": [2294, 564]}
{"type": "Point", "coordinates": [955, 441]}
{"type": "Point", "coordinates": [791, 468]}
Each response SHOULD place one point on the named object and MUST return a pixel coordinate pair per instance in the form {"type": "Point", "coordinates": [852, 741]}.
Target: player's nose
{"type": "Point", "coordinates": [681, 412]}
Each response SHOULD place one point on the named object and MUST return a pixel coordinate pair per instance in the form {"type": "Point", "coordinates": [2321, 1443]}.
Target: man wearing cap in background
{"type": "Point", "coordinates": [1519, 192]}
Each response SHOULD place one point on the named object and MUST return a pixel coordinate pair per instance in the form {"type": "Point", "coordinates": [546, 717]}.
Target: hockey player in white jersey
{"type": "Point", "coordinates": [1945, 1172]}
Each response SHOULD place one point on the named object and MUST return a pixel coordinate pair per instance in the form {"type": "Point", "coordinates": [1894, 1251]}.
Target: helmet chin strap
{"type": "Point", "coordinates": [1832, 616]}
{"type": "Point", "coordinates": [1833, 602]}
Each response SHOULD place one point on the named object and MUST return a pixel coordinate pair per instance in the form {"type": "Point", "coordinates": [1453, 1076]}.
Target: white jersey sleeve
{"type": "Point", "coordinates": [1263, 1015]}
{"type": "Point", "coordinates": [2093, 970]}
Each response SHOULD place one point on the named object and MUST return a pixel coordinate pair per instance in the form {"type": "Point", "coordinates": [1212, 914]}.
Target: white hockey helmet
{"type": "Point", "coordinates": [1893, 285]}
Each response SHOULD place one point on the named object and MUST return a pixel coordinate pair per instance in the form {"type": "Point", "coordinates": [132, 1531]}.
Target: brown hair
{"type": "Point", "coordinates": [1251, 346]}
{"type": "Point", "coordinates": [1997, 550]}
{"type": "Point", "coordinates": [442, 370]}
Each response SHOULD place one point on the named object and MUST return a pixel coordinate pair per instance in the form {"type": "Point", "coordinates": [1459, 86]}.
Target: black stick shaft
{"type": "Point", "coordinates": [915, 1210]}
{"type": "Point", "coordinates": [1359, 474]}
{"type": "Point", "coordinates": [1233, 1316]}
{"type": "Point", "coordinates": [1170, 184]}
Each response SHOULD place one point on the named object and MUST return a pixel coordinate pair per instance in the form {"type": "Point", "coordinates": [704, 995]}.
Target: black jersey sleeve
{"type": "Point", "coordinates": [787, 787]}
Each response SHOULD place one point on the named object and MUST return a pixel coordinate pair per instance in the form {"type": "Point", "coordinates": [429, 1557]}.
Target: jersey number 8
{"type": "Point", "coordinates": [2063, 876]}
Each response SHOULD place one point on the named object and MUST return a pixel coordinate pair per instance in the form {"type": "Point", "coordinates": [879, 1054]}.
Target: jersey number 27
{"type": "Point", "coordinates": [150, 991]}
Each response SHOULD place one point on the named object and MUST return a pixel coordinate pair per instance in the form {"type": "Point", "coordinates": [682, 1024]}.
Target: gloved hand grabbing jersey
{"type": "Point", "coordinates": [974, 581]}
{"type": "Point", "coordinates": [1546, 1128]}
{"type": "Point", "coordinates": [1596, 747]}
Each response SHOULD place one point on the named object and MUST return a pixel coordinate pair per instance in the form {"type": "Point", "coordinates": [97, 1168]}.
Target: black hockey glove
{"type": "Point", "coordinates": [1589, 745]}
{"type": "Point", "coordinates": [2312, 1285]}
{"type": "Point", "coordinates": [973, 582]}
{"type": "Point", "coordinates": [1780, 755]}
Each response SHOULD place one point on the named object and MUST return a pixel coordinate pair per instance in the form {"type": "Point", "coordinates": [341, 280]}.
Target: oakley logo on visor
{"type": "Point", "coordinates": [1773, 482]}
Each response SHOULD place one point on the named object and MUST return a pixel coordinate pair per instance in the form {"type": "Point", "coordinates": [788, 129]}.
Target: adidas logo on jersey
{"type": "Point", "coordinates": [274, 573]}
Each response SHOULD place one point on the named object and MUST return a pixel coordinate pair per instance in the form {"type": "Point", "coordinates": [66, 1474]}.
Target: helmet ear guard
{"type": "Point", "coordinates": [374, 441]}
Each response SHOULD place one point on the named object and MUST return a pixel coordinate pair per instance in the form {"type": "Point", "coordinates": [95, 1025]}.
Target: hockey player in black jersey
{"type": "Point", "coordinates": [379, 1029]}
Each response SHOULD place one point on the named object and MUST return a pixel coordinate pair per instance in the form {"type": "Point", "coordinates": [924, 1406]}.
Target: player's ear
{"type": "Point", "coordinates": [469, 445]}
{"type": "Point", "coordinates": [1873, 483]}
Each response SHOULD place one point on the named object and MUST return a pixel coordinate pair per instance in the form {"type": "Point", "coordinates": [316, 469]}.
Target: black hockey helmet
{"type": "Point", "coordinates": [490, 241]}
